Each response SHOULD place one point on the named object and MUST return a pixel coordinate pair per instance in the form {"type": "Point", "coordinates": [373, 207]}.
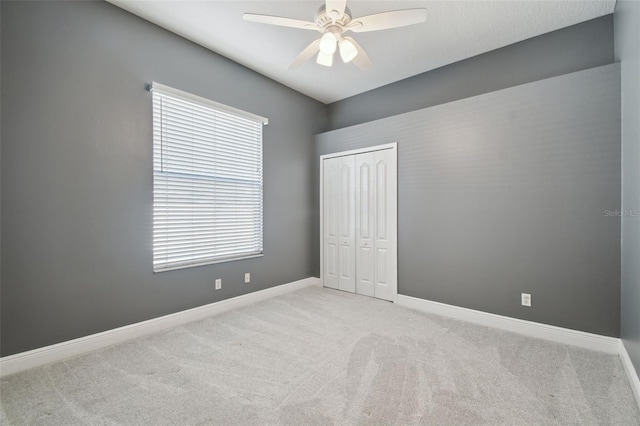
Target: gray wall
{"type": "Point", "coordinates": [0, 162]}
{"type": "Point", "coordinates": [627, 34]}
{"type": "Point", "coordinates": [582, 46]}
{"type": "Point", "coordinates": [575, 48]}
{"type": "Point", "coordinates": [505, 193]}
{"type": "Point", "coordinates": [77, 172]}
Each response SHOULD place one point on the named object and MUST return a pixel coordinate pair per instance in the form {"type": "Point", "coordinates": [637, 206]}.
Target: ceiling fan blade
{"type": "Point", "coordinates": [305, 55]}
{"type": "Point", "coordinates": [282, 22]}
{"type": "Point", "coordinates": [361, 60]}
{"type": "Point", "coordinates": [386, 20]}
{"type": "Point", "coordinates": [335, 8]}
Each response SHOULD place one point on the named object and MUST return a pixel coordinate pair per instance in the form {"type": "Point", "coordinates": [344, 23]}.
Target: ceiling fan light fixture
{"type": "Point", "coordinates": [328, 43]}
{"type": "Point", "coordinates": [347, 51]}
{"type": "Point", "coordinates": [325, 59]}
{"type": "Point", "coordinates": [332, 20]}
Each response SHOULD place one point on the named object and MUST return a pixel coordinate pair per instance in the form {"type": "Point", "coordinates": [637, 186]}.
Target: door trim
{"type": "Point", "coordinates": [392, 146]}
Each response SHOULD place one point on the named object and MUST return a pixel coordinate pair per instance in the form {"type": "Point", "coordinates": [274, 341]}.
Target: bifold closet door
{"type": "Point", "coordinates": [376, 223]}
{"type": "Point", "coordinates": [339, 223]}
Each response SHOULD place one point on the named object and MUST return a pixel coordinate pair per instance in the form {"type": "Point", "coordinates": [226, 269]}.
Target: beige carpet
{"type": "Point", "coordinates": [320, 356]}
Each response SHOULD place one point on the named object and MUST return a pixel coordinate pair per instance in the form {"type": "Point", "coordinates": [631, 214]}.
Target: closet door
{"type": "Point", "coordinates": [339, 223]}
{"type": "Point", "coordinates": [376, 260]}
{"type": "Point", "coordinates": [385, 225]}
{"type": "Point", "coordinates": [331, 203]}
{"type": "Point", "coordinates": [365, 223]}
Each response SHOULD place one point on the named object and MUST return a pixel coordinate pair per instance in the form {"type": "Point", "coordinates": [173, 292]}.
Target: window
{"type": "Point", "coordinates": [207, 181]}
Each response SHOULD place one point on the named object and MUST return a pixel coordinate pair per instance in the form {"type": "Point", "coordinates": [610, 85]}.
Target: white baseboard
{"type": "Point", "coordinates": [41, 356]}
{"type": "Point", "coordinates": [48, 354]}
{"type": "Point", "coordinates": [567, 336]}
{"type": "Point", "coordinates": [632, 374]}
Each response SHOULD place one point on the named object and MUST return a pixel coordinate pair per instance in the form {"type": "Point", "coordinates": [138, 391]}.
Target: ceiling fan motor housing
{"type": "Point", "coordinates": [324, 21]}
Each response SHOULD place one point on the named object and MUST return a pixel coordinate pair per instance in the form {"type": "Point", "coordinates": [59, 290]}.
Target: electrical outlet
{"type": "Point", "coordinates": [218, 284]}
{"type": "Point", "coordinates": [247, 277]}
{"type": "Point", "coordinates": [526, 299]}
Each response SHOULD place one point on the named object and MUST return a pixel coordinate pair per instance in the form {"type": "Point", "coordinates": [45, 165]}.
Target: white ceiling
{"type": "Point", "coordinates": [454, 30]}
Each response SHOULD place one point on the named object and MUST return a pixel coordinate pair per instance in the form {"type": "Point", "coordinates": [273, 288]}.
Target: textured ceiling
{"type": "Point", "coordinates": [454, 30]}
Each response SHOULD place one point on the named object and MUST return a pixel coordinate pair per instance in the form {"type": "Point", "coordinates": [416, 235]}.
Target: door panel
{"type": "Point", "coordinates": [332, 260]}
{"type": "Point", "coordinates": [363, 197]}
{"type": "Point", "coordinates": [330, 226]}
{"type": "Point", "coordinates": [347, 279]}
{"type": "Point", "coordinates": [381, 199]}
{"type": "Point", "coordinates": [382, 260]}
{"type": "Point", "coordinates": [365, 223]}
{"type": "Point", "coordinates": [385, 285]}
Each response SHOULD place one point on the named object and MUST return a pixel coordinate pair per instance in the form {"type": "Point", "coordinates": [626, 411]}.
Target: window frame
{"type": "Point", "coordinates": [158, 237]}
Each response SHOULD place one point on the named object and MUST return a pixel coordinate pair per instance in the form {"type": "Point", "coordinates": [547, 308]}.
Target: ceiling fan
{"type": "Point", "coordinates": [332, 20]}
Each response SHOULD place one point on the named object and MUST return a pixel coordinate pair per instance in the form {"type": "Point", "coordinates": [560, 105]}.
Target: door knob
{"type": "Point", "coordinates": [365, 243]}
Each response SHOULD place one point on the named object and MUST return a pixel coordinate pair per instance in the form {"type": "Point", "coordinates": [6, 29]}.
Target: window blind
{"type": "Point", "coordinates": [207, 181]}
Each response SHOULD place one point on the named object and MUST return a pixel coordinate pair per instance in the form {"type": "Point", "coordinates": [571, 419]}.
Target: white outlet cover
{"type": "Point", "coordinates": [526, 299]}
{"type": "Point", "coordinates": [218, 284]}
{"type": "Point", "coordinates": [247, 277]}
